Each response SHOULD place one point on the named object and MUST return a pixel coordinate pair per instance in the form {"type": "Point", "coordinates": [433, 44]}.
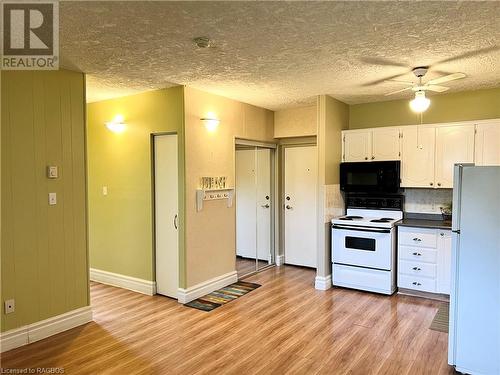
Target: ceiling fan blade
{"type": "Point", "coordinates": [381, 61]}
{"type": "Point", "coordinates": [398, 81]}
{"type": "Point", "coordinates": [398, 91]}
{"type": "Point", "coordinates": [436, 88]}
{"type": "Point", "coordinates": [449, 77]}
{"type": "Point", "coordinates": [376, 82]}
{"type": "Point", "coordinates": [466, 55]}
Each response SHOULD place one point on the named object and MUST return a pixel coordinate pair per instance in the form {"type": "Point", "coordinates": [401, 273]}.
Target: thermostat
{"type": "Point", "coordinates": [52, 171]}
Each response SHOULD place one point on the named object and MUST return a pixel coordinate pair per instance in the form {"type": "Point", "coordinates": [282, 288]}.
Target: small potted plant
{"type": "Point", "coordinates": [446, 211]}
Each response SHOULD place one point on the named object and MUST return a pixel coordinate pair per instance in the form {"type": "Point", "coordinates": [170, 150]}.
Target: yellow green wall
{"type": "Point", "coordinates": [211, 232]}
{"type": "Point", "coordinates": [44, 248]}
{"type": "Point", "coordinates": [461, 106]}
{"type": "Point", "coordinates": [121, 223]}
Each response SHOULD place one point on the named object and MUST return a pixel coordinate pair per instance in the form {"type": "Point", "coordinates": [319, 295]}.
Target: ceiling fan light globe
{"type": "Point", "coordinates": [420, 103]}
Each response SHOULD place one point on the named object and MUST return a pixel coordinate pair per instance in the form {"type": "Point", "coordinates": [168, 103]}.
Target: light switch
{"type": "Point", "coordinates": [52, 199]}
{"type": "Point", "coordinates": [104, 190]}
{"type": "Point", "coordinates": [52, 171]}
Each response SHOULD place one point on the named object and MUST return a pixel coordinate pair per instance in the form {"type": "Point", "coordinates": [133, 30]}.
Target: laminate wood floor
{"type": "Point", "coordinates": [283, 327]}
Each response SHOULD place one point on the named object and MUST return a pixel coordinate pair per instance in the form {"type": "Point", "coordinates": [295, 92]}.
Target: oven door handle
{"type": "Point", "coordinates": [360, 229]}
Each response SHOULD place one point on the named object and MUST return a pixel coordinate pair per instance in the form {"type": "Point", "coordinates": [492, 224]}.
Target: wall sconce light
{"type": "Point", "coordinates": [116, 125]}
{"type": "Point", "coordinates": [210, 123]}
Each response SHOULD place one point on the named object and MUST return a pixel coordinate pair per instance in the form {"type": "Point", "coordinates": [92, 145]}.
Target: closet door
{"type": "Point", "coordinates": [454, 144]}
{"type": "Point", "coordinates": [264, 207]}
{"type": "Point", "coordinates": [417, 156]}
{"type": "Point", "coordinates": [385, 144]}
{"type": "Point", "coordinates": [166, 209]}
{"type": "Point", "coordinates": [246, 202]}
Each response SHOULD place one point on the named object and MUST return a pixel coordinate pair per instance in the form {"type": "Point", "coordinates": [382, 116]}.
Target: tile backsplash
{"type": "Point", "coordinates": [427, 201]}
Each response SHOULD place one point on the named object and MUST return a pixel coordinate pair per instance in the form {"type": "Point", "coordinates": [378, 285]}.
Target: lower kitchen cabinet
{"type": "Point", "coordinates": [424, 259]}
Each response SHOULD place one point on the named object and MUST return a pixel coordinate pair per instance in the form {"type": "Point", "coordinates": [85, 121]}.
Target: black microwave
{"type": "Point", "coordinates": [370, 177]}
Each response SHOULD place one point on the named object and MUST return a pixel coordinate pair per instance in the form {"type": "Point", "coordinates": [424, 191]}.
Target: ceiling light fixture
{"type": "Point", "coordinates": [420, 103]}
{"type": "Point", "coordinates": [116, 125]}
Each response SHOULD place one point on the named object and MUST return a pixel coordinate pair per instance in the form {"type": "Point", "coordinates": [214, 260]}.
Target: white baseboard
{"type": "Point", "coordinates": [280, 260]}
{"type": "Point", "coordinates": [37, 331]}
{"type": "Point", "coordinates": [323, 282]}
{"type": "Point", "coordinates": [201, 289]}
{"type": "Point", "coordinates": [123, 281]}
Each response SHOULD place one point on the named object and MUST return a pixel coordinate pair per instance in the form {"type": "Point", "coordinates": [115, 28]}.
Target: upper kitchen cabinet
{"type": "Point", "coordinates": [357, 145]}
{"type": "Point", "coordinates": [417, 156]}
{"type": "Point", "coordinates": [385, 144]}
{"type": "Point", "coordinates": [454, 144]}
{"type": "Point", "coordinates": [373, 144]}
{"type": "Point", "coordinates": [487, 146]}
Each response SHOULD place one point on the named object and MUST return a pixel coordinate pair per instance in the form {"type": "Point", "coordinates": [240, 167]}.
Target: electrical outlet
{"type": "Point", "coordinates": [9, 306]}
{"type": "Point", "coordinates": [52, 199]}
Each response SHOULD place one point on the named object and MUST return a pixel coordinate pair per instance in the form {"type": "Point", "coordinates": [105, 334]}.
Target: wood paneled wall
{"type": "Point", "coordinates": [44, 248]}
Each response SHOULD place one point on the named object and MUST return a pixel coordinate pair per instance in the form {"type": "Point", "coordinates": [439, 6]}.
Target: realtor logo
{"type": "Point", "coordinates": [30, 35]}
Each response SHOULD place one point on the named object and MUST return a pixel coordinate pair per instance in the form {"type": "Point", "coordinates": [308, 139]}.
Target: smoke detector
{"type": "Point", "coordinates": [202, 42]}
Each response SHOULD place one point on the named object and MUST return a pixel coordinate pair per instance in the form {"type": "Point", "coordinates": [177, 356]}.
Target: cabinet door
{"type": "Point", "coordinates": [487, 147]}
{"type": "Point", "coordinates": [454, 144]}
{"type": "Point", "coordinates": [417, 156]}
{"type": "Point", "coordinates": [357, 146]}
{"type": "Point", "coordinates": [444, 262]}
{"type": "Point", "coordinates": [385, 144]}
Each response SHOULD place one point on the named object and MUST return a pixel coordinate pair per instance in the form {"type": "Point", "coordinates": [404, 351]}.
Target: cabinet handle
{"type": "Point", "coordinates": [431, 183]}
{"type": "Point", "coordinates": [417, 239]}
{"type": "Point", "coordinates": [416, 283]}
{"type": "Point", "coordinates": [417, 269]}
{"type": "Point", "coordinates": [366, 157]}
{"type": "Point", "coordinates": [373, 157]}
{"type": "Point", "coordinates": [439, 183]}
{"type": "Point", "coordinates": [417, 254]}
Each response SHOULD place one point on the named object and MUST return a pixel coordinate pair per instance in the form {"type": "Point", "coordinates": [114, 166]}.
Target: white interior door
{"type": "Point", "coordinates": [246, 204]}
{"type": "Point", "coordinates": [166, 211]}
{"type": "Point", "coordinates": [301, 175]}
{"type": "Point", "coordinates": [264, 204]}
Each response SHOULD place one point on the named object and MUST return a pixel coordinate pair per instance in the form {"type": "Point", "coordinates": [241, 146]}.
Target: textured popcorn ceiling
{"type": "Point", "coordinates": [276, 54]}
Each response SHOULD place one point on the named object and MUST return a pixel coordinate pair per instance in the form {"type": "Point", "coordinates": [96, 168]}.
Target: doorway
{"type": "Point", "coordinates": [300, 205]}
{"type": "Point", "coordinates": [255, 207]}
{"type": "Point", "coordinates": [166, 204]}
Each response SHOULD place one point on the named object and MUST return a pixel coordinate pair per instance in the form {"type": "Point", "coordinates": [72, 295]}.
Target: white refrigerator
{"type": "Point", "coordinates": [474, 335]}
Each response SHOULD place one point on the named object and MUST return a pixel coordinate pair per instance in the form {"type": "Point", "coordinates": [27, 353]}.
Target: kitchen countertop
{"type": "Point", "coordinates": [424, 221]}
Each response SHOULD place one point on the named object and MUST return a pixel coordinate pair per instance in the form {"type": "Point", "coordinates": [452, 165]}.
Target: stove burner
{"type": "Point", "coordinates": [383, 220]}
{"type": "Point", "coordinates": [350, 217]}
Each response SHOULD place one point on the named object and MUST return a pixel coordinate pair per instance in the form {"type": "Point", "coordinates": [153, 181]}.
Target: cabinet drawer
{"type": "Point", "coordinates": [417, 237]}
{"type": "Point", "coordinates": [417, 269]}
{"type": "Point", "coordinates": [417, 283]}
{"type": "Point", "coordinates": [418, 254]}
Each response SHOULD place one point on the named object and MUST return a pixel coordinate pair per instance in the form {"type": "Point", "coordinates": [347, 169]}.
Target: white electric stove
{"type": "Point", "coordinates": [364, 243]}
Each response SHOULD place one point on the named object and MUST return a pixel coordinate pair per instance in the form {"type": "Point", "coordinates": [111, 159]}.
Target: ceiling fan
{"type": "Point", "coordinates": [432, 85]}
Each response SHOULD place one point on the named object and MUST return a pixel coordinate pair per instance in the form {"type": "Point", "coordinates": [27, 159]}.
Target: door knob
{"type": "Point", "coordinates": [288, 207]}
{"type": "Point", "coordinates": [287, 198]}
{"type": "Point", "coordinates": [265, 205]}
